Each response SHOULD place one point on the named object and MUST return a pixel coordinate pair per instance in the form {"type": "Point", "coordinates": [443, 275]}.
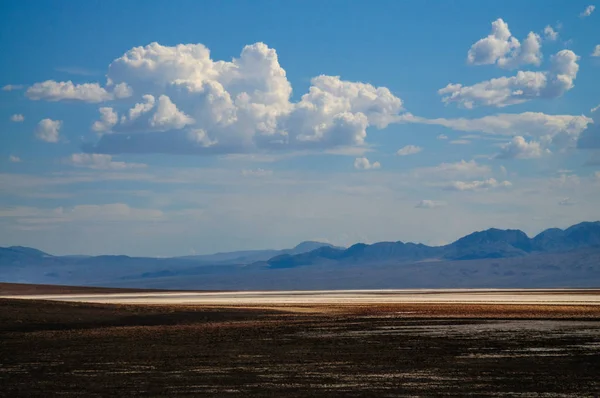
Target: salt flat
{"type": "Point", "coordinates": [459, 296]}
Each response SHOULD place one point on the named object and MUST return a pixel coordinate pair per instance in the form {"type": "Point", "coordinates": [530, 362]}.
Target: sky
{"type": "Point", "coordinates": [161, 129]}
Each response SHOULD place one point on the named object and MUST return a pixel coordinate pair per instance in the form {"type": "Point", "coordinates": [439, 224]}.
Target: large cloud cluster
{"type": "Point", "coordinates": [177, 99]}
{"type": "Point", "coordinates": [186, 102]}
{"type": "Point", "coordinates": [522, 87]}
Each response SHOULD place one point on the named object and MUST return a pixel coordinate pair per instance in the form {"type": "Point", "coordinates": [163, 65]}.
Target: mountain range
{"type": "Point", "coordinates": [490, 258]}
{"type": "Point", "coordinates": [488, 244]}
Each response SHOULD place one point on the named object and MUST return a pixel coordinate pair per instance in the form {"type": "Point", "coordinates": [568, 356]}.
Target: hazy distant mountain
{"type": "Point", "coordinates": [494, 257]}
{"type": "Point", "coordinates": [28, 251]}
{"type": "Point", "coordinates": [250, 256]}
{"type": "Point", "coordinates": [576, 268]}
{"type": "Point", "coordinates": [22, 264]}
{"type": "Point", "coordinates": [18, 254]}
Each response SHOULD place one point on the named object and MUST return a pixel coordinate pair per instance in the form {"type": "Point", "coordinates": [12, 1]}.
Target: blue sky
{"type": "Point", "coordinates": [198, 127]}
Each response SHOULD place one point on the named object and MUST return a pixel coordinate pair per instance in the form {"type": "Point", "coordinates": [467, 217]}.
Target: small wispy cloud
{"type": "Point", "coordinates": [566, 202]}
{"type": "Point", "coordinates": [349, 150]}
{"type": "Point", "coordinates": [17, 118]}
{"type": "Point", "coordinates": [256, 173]}
{"type": "Point", "coordinates": [409, 150]}
{"type": "Point", "coordinates": [11, 87]}
{"type": "Point", "coordinates": [588, 11]}
{"type": "Point", "coordinates": [99, 162]}
{"type": "Point", "coordinates": [451, 170]}
{"type": "Point", "coordinates": [75, 70]}
{"type": "Point", "coordinates": [490, 183]}
{"type": "Point", "coordinates": [430, 204]}
{"type": "Point", "coordinates": [550, 34]}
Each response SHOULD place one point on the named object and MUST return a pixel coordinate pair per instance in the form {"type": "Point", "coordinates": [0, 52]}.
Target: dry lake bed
{"type": "Point", "coordinates": [336, 297]}
{"type": "Point", "coordinates": [78, 342]}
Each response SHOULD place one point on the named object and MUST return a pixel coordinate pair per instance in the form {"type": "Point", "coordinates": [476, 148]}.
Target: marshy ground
{"type": "Point", "coordinates": [75, 349]}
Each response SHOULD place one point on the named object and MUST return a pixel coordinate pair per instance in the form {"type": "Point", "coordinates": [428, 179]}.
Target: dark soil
{"type": "Point", "coordinates": [49, 349]}
{"type": "Point", "coordinates": [24, 289]}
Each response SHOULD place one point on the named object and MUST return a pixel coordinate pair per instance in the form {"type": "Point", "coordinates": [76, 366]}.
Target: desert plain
{"type": "Point", "coordinates": [70, 341]}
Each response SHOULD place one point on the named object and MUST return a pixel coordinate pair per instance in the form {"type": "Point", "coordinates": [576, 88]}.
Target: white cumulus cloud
{"type": "Point", "coordinates": [168, 117]}
{"type": "Point", "coordinates": [14, 159]}
{"type": "Point", "coordinates": [524, 86]}
{"type": "Point", "coordinates": [17, 118]}
{"type": "Point", "coordinates": [409, 150]}
{"type": "Point", "coordinates": [519, 148]}
{"type": "Point", "coordinates": [503, 49]}
{"type": "Point", "coordinates": [139, 109]}
{"type": "Point", "coordinates": [596, 52]}
{"type": "Point", "coordinates": [48, 130]}
{"type": "Point", "coordinates": [108, 118]}
{"type": "Point", "coordinates": [364, 164]}
{"type": "Point", "coordinates": [202, 105]}
{"type": "Point", "coordinates": [153, 115]}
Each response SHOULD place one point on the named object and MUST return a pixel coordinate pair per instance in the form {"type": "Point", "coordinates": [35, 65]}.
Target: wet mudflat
{"type": "Point", "coordinates": [379, 350]}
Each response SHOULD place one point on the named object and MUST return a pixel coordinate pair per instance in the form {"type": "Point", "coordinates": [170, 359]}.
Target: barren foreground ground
{"type": "Point", "coordinates": [381, 350]}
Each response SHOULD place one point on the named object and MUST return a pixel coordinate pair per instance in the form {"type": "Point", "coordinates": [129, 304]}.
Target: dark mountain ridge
{"type": "Point", "coordinates": [487, 244]}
